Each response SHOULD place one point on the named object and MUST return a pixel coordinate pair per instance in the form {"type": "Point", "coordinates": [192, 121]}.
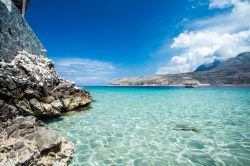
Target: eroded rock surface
{"type": "Point", "coordinates": [30, 88]}
{"type": "Point", "coordinates": [25, 141]}
{"type": "Point", "coordinates": [32, 85]}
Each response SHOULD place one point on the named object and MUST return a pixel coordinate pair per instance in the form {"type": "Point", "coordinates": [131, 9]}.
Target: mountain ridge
{"type": "Point", "coordinates": [208, 66]}
{"type": "Point", "coordinates": [233, 71]}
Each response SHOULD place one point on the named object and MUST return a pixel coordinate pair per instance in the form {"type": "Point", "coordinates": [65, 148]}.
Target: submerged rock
{"type": "Point", "coordinates": [187, 128]}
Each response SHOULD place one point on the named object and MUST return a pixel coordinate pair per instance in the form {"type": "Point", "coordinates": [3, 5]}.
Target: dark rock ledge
{"type": "Point", "coordinates": [30, 88]}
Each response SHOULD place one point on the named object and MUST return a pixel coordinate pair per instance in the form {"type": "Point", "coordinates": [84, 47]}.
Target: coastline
{"type": "Point", "coordinates": [203, 85]}
{"type": "Point", "coordinates": [47, 120]}
{"type": "Point", "coordinates": [31, 90]}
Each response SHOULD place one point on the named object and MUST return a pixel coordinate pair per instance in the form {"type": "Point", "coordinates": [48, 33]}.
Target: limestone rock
{"type": "Point", "coordinates": [44, 139]}
{"type": "Point", "coordinates": [38, 145]}
{"type": "Point", "coordinates": [7, 111]}
{"type": "Point", "coordinates": [76, 102]}
{"type": "Point", "coordinates": [24, 155]}
{"type": "Point", "coordinates": [57, 104]}
{"type": "Point", "coordinates": [36, 105]}
{"type": "Point", "coordinates": [49, 99]}
{"type": "Point", "coordinates": [49, 110]}
{"type": "Point", "coordinates": [33, 84]}
{"type": "Point", "coordinates": [32, 93]}
{"type": "Point", "coordinates": [30, 87]}
{"type": "Point", "coordinates": [24, 106]}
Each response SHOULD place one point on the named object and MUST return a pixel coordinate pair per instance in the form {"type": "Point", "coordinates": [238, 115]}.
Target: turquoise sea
{"type": "Point", "coordinates": [160, 126]}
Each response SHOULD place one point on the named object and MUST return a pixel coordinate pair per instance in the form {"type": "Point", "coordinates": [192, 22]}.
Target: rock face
{"type": "Point", "coordinates": [234, 71]}
{"type": "Point", "coordinates": [25, 141]}
{"type": "Point", "coordinates": [30, 87]}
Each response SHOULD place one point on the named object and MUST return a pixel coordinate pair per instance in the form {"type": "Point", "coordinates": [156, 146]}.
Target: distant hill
{"type": "Point", "coordinates": [234, 71]}
{"type": "Point", "coordinates": [209, 66]}
{"type": "Point", "coordinates": [240, 63]}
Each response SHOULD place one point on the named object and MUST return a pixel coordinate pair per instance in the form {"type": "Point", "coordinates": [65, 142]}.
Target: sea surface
{"type": "Point", "coordinates": [160, 126]}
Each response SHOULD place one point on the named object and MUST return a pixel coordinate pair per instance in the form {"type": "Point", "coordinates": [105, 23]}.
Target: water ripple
{"type": "Point", "coordinates": [160, 126]}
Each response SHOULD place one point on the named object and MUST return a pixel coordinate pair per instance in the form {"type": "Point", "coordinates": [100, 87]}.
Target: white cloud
{"type": "Point", "coordinates": [220, 37]}
{"type": "Point", "coordinates": [237, 19]}
{"type": "Point", "coordinates": [85, 71]}
{"type": "Point", "coordinates": [222, 3]}
{"type": "Point", "coordinates": [198, 3]}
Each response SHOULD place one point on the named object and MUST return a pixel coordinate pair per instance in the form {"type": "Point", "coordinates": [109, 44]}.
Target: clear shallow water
{"type": "Point", "coordinates": [160, 126]}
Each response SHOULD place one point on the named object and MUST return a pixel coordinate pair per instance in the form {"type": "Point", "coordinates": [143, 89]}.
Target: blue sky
{"type": "Point", "coordinates": [94, 41]}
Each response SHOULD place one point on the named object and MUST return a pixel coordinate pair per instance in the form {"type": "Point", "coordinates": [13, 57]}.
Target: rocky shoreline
{"type": "Point", "coordinates": [31, 89]}
{"type": "Point", "coordinates": [232, 72]}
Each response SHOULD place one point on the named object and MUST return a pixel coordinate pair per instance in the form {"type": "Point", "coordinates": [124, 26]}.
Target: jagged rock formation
{"type": "Point", "coordinates": [31, 87]}
{"type": "Point", "coordinates": [234, 71]}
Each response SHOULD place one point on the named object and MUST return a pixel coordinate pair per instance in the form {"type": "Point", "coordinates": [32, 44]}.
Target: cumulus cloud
{"type": "Point", "coordinates": [220, 37]}
{"type": "Point", "coordinates": [85, 71]}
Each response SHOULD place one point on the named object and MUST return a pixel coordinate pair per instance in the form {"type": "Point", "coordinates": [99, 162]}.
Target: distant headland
{"type": "Point", "coordinates": [234, 71]}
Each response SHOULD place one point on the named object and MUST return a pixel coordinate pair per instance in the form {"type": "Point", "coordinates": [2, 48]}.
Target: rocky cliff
{"type": "Point", "coordinates": [32, 85]}
{"type": "Point", "coordinates": [234, 71]}
{"type": "Point", "coordinates": [31, 90]}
